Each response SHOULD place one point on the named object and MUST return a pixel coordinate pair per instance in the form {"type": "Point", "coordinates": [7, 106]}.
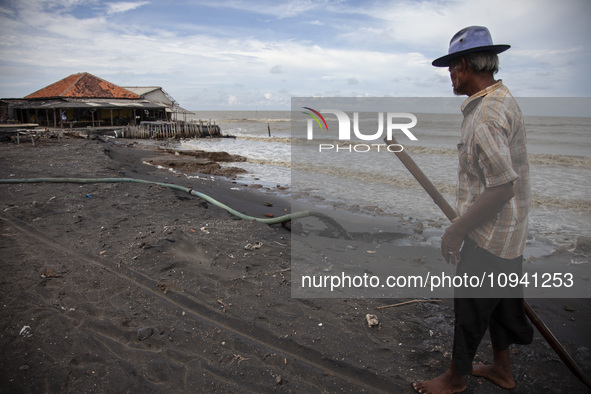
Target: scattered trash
{"type": "Point", "coordinates": [222, 304]}
{"type": "Point", "coordinates": [239, 358]}
{"type": "Point", "coordinates": [203, 229]}
{"type": "Point", "coordinates": [279, 379]}
{"type": "Point", "coordinates": [372, 320]}
{"type": "Point", "coordinates": [26, 332]}
{"type": "Point", "coordinates": [269, 215]}
{"type": "Point", "coordinates": [88, 196]}
{"type": "Point", "coordinates": [144, 333]}
{"type": "Point", "coordinates": [257, 245]}
{"type": "Point", "coordinates": [268, 203]}
{"type": "Point", "coordinates": [576, 262]}
{"type": "Point", "coordinates": [47, 273]}
{"type": "Point", "coordinates": [569, 308]}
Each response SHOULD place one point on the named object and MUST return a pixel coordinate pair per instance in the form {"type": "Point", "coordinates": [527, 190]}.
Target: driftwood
{"type": "Point", "coordinates": [405, 302]}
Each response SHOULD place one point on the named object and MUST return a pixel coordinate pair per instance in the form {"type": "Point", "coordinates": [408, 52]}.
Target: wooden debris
{"type": "Point", "coordinates": [405, 302]}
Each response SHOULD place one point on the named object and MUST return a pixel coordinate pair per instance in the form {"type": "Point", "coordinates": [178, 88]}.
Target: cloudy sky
{"type": "Point", "coordinates": [239, 54]}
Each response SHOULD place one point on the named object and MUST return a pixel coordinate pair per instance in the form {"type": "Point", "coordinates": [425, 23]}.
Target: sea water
{"type": "Point", "coordinates": [559, 151]}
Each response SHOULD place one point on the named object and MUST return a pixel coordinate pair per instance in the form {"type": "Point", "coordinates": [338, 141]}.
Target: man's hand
{"type": "Point", "coordinates": [486, 206]}
{"type": "Point", "coordinates": [451, 243]}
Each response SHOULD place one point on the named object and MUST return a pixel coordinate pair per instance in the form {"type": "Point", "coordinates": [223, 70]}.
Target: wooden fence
{"type": "Point", "coordinates": [165, 130]}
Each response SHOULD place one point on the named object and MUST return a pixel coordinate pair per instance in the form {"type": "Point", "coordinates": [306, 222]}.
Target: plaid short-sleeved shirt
{"type": "Point", "coordinates": [492, 152]}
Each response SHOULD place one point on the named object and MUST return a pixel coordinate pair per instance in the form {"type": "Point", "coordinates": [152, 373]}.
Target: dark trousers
{"type": "Point", "coordinates": [504, 317]}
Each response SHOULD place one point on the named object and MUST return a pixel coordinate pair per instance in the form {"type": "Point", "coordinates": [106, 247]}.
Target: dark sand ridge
{"type": "Point", "coordinates": [129, 287]}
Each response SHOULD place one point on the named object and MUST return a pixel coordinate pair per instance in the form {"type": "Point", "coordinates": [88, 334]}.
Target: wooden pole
{"type": "Point", "coordinates": [555, 344]}
{"type": "Point", "coordinates": [449, 212]}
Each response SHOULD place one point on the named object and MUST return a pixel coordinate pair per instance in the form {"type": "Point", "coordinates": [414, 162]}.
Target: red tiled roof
{"type": "Point", "coordinates": [83, 85]}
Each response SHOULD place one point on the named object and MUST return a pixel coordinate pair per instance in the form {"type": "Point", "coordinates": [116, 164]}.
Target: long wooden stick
{"type": "Point", "coordinates": [405, 303]}
{"type": "Point", "coordinates": [450, 213]}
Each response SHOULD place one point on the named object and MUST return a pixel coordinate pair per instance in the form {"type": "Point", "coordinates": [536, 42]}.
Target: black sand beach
{"type": "Point", "coordinates": [124, 287]}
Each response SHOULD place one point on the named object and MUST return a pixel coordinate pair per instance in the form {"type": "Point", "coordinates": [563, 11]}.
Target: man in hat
{"type": "Point", "coordinates": [493, 197]}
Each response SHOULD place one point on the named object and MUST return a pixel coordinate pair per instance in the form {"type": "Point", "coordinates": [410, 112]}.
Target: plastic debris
{"type": "Point", "coordinates": [26, 332]}
{"type": "Point", "coordinates": [372, 320]}
{"type": "Point", "coordinates": [144, 333]}
{"type": "Point", "coordinates": [257, 245]}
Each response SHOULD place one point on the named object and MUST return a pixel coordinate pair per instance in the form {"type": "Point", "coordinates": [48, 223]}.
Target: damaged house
{"type": "Point", "coordinates": [156, 94]}
{"type": "Point", "coordinates": [82, 100]}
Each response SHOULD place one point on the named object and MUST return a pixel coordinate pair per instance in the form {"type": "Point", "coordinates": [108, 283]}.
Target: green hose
{"type": "Point", "coordinates": [334, 227]}
{"type": "Point", "coordinates": [205, 197]}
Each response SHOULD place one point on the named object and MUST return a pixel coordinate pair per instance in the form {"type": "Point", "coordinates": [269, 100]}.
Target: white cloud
{"type": "Point", "coordinates": [277, 69]}
{"type": "Point", "coordinates": [229, 64]}
{"type": "Point", "coordinates": [6, 11]}
{"type": "Point", "coordinates": [273, 8]}
{"type": "Point", "coordinates": [124, 6]}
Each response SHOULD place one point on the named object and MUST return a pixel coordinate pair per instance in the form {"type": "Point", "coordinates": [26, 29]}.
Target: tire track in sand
{"type": "Point", "coordinates": [308, 359]}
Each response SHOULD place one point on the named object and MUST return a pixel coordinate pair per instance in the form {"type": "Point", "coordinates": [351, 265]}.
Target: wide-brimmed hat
{"type": "Point", "coordinates": [468, 40]}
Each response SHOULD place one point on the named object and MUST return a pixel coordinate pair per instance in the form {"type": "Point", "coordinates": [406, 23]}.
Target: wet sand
{"type": "Point", "coordinates": [140, 288]}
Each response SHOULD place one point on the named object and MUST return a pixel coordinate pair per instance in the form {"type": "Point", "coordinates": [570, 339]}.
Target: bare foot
{"type": "Point", "coordinates": [447, 383]}
{"type": "Point", "coordinates": [499, 376]}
